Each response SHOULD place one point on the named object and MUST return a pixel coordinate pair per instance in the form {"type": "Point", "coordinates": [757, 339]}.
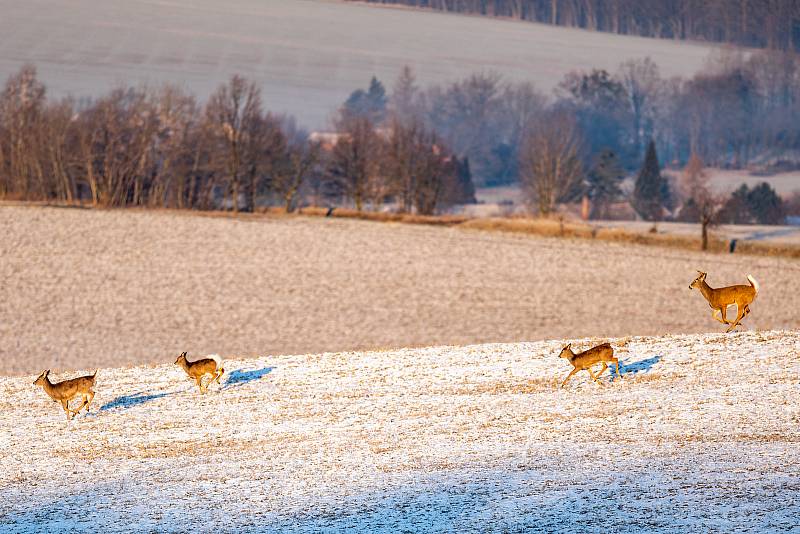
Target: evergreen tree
{"type": "Point", "coordinates": [602, 182]}
{"type": "Point", "coordinates": [737, 208]}
{"type": "Point", "coordinates": [463, 190]}
{"type": "Point", "coordinates": [651, 192]}
{"type": "Point", "coordinates": [369, 104]}
{"type": "Point", "coordinates": [765, 204]}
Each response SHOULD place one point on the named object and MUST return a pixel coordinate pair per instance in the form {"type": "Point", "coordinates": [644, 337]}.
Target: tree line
{"type": "Point", "coordinates": [773, 24]}
{"type": "Point", "coordinates": [600, 127]}
{"type": "Point", "coordinates": [161, 148]}
{"type": "Point", "coordinates": [412, 148]}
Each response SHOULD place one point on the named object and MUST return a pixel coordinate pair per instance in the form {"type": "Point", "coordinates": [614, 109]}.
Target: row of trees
{"type": "Point", "coordinates": [766, 23]}
{"type": "Point", "coordinates": [414, 148]}
{"type": "Point", "coordinates": [148, 147]}
{"type": "Point", "coordinates": [739, 111]}
{"type": "Point", "coordinates": [139, 147]}
{"type": "Point", "coordinates": [601, 127]}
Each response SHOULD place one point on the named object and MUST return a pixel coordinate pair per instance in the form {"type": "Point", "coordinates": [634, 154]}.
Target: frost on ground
{"type": "Point", "coordinates": [700, 434]}
{"type": "Point", "coordinates": [91, 288]}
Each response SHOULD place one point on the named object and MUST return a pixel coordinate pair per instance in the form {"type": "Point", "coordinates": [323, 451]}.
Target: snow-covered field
{"type": "Point", "coordinates": [94, 288]}
{"type": "Point", "coordinates": [701, 434]}
{"type": "Point", "coordinates": [308, 55]}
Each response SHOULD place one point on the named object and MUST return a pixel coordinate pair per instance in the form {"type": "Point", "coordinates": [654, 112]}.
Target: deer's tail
{"type": "Point", "coordinates": [753, 283]}
{"type": "Point", "coordinates": [217, 358]}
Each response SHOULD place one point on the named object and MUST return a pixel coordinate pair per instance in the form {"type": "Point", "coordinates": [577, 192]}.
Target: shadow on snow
{"type": "Point", "coordinates": [237, 377]}
{"type": "Point", "coordinates": [642, 366]}
{"type": "Point", "coordinates": [129, 401]}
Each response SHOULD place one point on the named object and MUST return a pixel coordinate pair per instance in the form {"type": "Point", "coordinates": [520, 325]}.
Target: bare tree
{"type": "Point", "coordinates": [700, 204]}
{"type": "Point", "coordinates": [21, 113]}
{"type": "Point", "coordinates": [233, 115]}
{"type": "Point", "coordinates": [641, 81]}
{"type": "Point", "coordinates": [355, 161]}
{"type": "Point", "coordinates": [297, 159]}
{"type": "Point", "coordinates": [550, 161]}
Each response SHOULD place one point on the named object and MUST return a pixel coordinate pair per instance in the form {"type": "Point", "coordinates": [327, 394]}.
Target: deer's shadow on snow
{"type": "Point", "coordinates": [135, 399]}
{"type": "Point", "coordinates": [642, 366]}
{"type": "Point", "coordinates": [238, 377]}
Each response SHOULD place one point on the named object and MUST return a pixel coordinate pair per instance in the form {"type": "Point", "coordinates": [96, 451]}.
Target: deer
{"type": "Point", "coordinates": [68, 390]}
{"type": "Point", "coordinates": [721, 297]}
{"type": "Point", "coordinates": [603, 353]}
{"type": "Point", "coordinates": [198, 369]}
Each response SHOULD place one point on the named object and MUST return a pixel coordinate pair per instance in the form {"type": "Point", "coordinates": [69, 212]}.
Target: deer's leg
{"type": "Point", "coordinates": [605, 366]}
{"type": "Point", "coordinates": [594, 376]}
{"type": "Point", "coordinates": [715, 314]}
{"type": "Point", "coordinates": [65, 405]}
{"type": "Point", "coordinates": [725, 311]}
{"type": "Point", "coordinates": [739, 316]}
{"type": "Point", "coordinates": [219, 375]}
{"type": "Point", "coordinates": [76, 412]}
{"type": "Point", "coordinates": [87, 398]}
{"type": "Point", "coordinates": [616, 364]}
{"type": "Point", "coordinates": [199, 380]}
{"type": "Point", "coordinates": [575, 370]}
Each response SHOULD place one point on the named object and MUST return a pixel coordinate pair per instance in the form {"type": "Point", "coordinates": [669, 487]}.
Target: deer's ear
{"type": "Point", "coordinates": [569, 346]}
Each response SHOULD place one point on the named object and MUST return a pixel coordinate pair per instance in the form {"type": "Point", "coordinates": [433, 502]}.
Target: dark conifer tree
{"type": "Point", "coordinates": [369, 104]}
{"type": "Point", "coordinates": [603, 182]}
{"type": "Point", "coordinates": [651, 192]}
{"type": "Point", "coordinates": [765, 204]}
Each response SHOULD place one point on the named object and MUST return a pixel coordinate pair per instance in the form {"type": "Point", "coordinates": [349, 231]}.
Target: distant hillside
{"type": "Point", "coordinates": [307, 55]}
{"type": "Point", "coordinates": [774, 24]}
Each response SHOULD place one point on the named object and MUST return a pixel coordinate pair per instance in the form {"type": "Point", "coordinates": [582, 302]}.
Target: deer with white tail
{"type": "Point", "coordinates": [603, 353]}
{"type": "Point", "coordinates": [211, 366]}
{"type": "Point", "coordinates": [68, 390]}
{"type": "Point", "coordinates": [721, 297]}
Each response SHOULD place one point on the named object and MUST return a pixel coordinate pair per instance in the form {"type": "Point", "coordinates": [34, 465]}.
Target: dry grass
{"type": "Point", "coordinates": [544, 227]}
{"type": "Point", "coordinates": [87, 288]}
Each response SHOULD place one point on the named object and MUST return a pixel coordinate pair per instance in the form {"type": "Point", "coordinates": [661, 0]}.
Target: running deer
{"type": "Point", "coordinates": [197, 370]}
{"type": "Point", "coordinates": [720, 298]}
{"type": "Point", "coordinates": [68, 390]}
{"type": "Point", "coordinates": [585, 360]}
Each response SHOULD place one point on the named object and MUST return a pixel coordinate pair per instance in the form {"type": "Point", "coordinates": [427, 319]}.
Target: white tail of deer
{"type": "Point", "coordinates": [720, 298]}
{"type": "Point", "coordinates": [585, 360]}
{"type": "Point", "coordinates": [68, 390]}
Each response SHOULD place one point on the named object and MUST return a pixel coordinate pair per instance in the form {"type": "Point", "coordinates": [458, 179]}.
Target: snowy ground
{"type": "Point", "coordinates": [92, 288]}
{"type": "Point", "coordinates": [308, 55]}
{"type": "Point", "coordinates": [701, 434]}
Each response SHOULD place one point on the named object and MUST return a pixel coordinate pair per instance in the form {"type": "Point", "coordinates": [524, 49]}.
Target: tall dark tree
{"type": "Point", "coordinates": [600, 104]}
{"type": "Point", "coordinates": [369, 104]}
{"type": "Point", "coordinates": [651, 192]}
{"type": "Point", "coordinates": [765, 204]}
{"type": "Point", "coordinates": [737, 208]}
{"type": "Point", "coordinates": [603, 183]}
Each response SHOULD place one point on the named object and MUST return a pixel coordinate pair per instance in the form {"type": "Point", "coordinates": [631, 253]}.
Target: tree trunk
{"type": "Point", "coordinates": [704, 229]}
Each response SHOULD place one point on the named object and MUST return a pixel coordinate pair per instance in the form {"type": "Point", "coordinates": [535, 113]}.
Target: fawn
{"type": "Point", "coordinates": [197, 370]}
{"type": "Point", "coordinates": [720, 298]}
{"type": "Point", "coordinates": [67, 390]}
{"type": "Point", "coordinates": [585, 360]}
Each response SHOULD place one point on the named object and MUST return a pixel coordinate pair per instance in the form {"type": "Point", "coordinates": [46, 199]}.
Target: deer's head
{"type": "Point", "coordinates": [698, 282]}
{"type": "Point", "coordinates": [566, 352]}
{"type": "Point", "coordinates": [42, 378]}
{"type": "Point", "coordinates": [181, 359]}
